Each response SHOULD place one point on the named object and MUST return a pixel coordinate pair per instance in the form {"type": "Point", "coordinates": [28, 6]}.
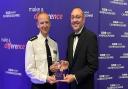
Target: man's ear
{"type": "Point", "coordinates": [37, 25]}
{"type": "Point", "coordinates": [84, 18]}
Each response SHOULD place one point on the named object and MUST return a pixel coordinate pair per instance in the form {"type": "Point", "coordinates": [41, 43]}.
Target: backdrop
{"type": "Point", "coordinates": [107, 18]}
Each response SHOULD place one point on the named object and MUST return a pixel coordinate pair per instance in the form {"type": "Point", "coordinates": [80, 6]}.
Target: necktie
{"type": "Point", "coordinates": [76, 35]}
{"type": "Point", "coordinates": [49, 57]}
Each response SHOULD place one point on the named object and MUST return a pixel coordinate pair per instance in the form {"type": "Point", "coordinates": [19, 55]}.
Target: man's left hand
{"type": "Point", "coordinates": [68, 78]}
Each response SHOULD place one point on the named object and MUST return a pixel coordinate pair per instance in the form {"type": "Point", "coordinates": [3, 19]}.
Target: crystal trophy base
{"type": "Point", "coordinates": [59, 75]}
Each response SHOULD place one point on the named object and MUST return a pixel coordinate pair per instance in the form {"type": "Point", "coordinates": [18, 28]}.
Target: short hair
{"type": "Point", "coordinates": [39, 13]}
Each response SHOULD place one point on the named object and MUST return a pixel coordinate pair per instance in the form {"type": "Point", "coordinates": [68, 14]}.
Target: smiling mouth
{"type": "Point", "coordinates": [75, 25]}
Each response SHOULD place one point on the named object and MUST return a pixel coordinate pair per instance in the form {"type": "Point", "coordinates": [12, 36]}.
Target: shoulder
{"type": "Point", "coordinates": [51, 39]}
{"type": "Point", "coordinates": [33, 38]}
{"type": "Point", "coordinates": [53, 42]}
{"type": "Point", "coordinates": [71, 35]}
{"type": "Point", "coordinates": [31, 41]}
{"type": "Point", "coordinates": [89, 32]}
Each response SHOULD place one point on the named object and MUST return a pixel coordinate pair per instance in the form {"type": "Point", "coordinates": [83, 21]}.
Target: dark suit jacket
{"type": "Point", "coordinates": [85, 61]}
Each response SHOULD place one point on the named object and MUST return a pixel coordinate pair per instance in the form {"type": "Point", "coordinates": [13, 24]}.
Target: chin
{"type": "Point", "coordinates": [76, 29]}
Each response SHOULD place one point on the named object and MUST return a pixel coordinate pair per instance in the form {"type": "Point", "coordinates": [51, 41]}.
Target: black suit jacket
{"type": "Point", "coordinates": [85, 60]}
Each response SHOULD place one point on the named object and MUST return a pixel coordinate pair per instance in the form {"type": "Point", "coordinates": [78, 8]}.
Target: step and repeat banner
{"type": "Point", "coordinates": [113, 36]}
{"type": "Point", "coordinates": [108, 19]}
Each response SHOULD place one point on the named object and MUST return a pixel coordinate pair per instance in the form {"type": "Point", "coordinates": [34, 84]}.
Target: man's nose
{"type": "Point", "coordinates": [45, 24]}
{"type": "Point", "coordinates": [74, 19]}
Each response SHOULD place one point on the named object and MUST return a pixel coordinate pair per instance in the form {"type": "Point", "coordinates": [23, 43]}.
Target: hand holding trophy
{"type": "Point", "coordinates": [64, 65]}
{"type": "Point", "coordinates": [59, 67]}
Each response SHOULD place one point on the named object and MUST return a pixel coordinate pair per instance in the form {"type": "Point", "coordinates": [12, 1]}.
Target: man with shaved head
{"type": "Point", "coordinates": [41, 51]}
{"type": "Point", "coordinates": [82, 53]}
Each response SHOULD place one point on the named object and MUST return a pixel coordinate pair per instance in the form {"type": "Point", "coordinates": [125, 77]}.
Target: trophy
{"type": "Point", "coordinates": [60, 69]}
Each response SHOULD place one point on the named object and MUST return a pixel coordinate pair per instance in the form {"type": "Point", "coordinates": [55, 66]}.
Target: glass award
{"type": "Point", "coordinates": [61, 67]}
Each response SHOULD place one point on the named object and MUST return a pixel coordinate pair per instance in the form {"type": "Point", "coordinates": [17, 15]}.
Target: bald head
{"type": "Point", "coordinates": [40, 14]}
{"type": "Point", "coordinates": [77, 19]}
{"type": "Point", "coordinates": [78, 10]}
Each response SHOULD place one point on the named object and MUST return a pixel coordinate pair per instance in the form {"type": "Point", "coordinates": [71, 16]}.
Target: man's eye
{"type": "Point", "coordinates": [78, 16]}
{"type": "Point", "coordinates": [47, 22]}
{"type": "Point", "coordinates": [41, 22]}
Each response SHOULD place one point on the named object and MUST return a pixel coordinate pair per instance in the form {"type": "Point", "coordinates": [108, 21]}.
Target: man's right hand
{"type": "Point", "coordinates": [55, 66]}
{"type": "Point", "coordinates": [51, 79]}
{"type": "Point", "coordinates": [64, 65]}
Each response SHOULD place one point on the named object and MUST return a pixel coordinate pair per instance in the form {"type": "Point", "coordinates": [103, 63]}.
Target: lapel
{"type": "Point", "coordinates": [79, 44]}
{"type": "Point", "coordinates": [78, 47]}
{"type": "Point", "coordinates": [71, 49]}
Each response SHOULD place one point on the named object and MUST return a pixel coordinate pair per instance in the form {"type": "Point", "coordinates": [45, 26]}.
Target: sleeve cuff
{"type": "Point", "coordinates": [75, 79]}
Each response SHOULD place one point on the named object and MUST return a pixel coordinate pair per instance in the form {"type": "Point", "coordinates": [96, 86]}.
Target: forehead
{"type": "Point", "coordinates": [43, 16]}
{"type": "Point", "coordinates": [76, 12]}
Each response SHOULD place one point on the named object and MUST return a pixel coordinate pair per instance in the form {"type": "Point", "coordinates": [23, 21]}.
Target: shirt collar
{"type": "Point", "coordinates": [41, 37]}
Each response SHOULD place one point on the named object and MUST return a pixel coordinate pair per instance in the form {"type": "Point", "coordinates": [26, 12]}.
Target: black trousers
{"type": "Point", "coordinates": [43, 86]}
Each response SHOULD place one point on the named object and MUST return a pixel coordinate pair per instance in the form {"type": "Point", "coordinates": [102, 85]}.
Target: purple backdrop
{"type": "Point", "coordinates": [107, 18]}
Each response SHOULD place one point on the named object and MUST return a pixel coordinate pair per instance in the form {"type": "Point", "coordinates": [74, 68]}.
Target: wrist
{"type": "Point", "coordinates": [75, 78]}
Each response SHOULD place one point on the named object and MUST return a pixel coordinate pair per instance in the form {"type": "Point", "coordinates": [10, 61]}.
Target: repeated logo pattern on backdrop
{"type": "Point", "coordinates": [113, 73]}
{"type": "Point", "coordinates": [107, 18]}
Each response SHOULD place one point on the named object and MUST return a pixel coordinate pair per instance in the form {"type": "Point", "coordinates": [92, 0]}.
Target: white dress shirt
{"type": "Point", "coordinates": [76, 41]}
{"type": "Point", "coordinates": [74, 47]}
{"type": "Point", "coordinates": [36, 65]}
